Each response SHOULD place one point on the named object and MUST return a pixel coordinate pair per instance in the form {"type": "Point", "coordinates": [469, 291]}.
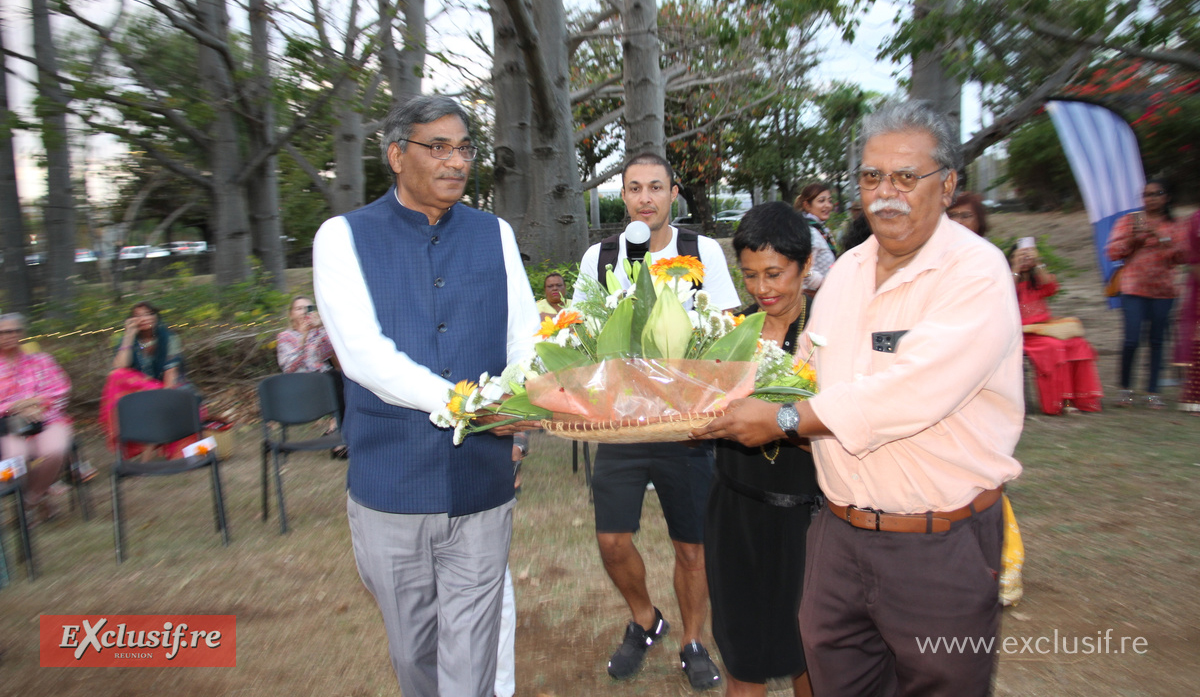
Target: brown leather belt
{"type": "Point", "coordinates": [934, 521]}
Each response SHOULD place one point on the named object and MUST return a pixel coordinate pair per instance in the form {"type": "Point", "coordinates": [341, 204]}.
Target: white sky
{"type": "Point", "coordinates": [854, 63]}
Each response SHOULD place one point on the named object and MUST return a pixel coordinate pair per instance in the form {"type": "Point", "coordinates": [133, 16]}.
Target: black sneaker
{"type": "Point", "coordinates": [699, 668]}
{"type": "Point", "coordinates": [627, 660]}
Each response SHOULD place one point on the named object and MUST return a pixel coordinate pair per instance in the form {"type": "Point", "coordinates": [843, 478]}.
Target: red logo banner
{"type": "Point", "coordinates": [194, 641]}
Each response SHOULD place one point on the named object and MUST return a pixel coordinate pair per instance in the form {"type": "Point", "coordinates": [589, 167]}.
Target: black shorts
{"type": "Point", "coordinates": [681, 474]}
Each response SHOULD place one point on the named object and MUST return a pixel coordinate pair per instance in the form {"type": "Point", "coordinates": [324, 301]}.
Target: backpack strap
{"type": "Point", "coordinates": [687, 243]}
{"type": "Point", "coordinates": [610, 248]}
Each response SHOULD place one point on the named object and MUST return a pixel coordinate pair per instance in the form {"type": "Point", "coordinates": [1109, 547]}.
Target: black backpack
{"type": "Point", "coordinates": [686, 243]}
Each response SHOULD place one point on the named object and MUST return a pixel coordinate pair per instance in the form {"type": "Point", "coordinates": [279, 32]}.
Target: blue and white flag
{"type": "Point", "coordinates": [1104, 156]}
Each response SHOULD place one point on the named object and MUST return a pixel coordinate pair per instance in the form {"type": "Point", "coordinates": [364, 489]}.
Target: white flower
{"type": "Point", "coordinates": [493, 390]}
{"type": "Point", "coordinates": [697, 320]}
{"type": "Point", "coordinates": [685, 295]}
{"type": "Point", "coordinates": [441, 418]}
{"type": "Point", "coordinates": [701, 300]}
{"type": "Point", "coordinates": [460, 429]}
{"type": "Point", "coordinates": [515, 373]}
{"type": "Point", "coordinates": [817, 339]}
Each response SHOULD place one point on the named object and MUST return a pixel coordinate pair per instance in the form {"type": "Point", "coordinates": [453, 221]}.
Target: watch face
{"type": "Point", "coordinates": [788, 419]}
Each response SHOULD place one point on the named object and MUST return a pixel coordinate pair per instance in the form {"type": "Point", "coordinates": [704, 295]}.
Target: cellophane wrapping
{"type": "Point", "coordinates": [637, 388]}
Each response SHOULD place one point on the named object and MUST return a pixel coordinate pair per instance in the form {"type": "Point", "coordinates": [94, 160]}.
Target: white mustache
{"type": "Point", "coordinates": [889, 204]}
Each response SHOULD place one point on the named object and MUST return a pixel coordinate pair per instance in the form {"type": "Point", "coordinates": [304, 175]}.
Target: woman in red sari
{"type": "Point", "coordinates": [148, 357]}
{"type": "Point", "coordinates": [1066, 367]}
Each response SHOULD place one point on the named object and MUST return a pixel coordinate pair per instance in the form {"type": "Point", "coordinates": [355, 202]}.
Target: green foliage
{"type": "Point", "coordinates": [612, 208]}
{"type": "Point", "coordinates": [1038, 166]}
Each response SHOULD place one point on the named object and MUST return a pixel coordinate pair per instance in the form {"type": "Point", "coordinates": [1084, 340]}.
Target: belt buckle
{"type": "Point", "coordinates": [871, 511]}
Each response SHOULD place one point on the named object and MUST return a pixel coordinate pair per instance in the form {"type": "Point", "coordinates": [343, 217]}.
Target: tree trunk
{"type": "Point", "coordinates": [349, 187]}
{"type": "Point", "coordinates": [510, 85]}
{"type": "Point", "coordinates": [931, 80]}
{"type": "Point", "coordinates": [263, 184]}
{"type": "Point", "coordinates": [555, 227]}
{"type": "Point", "coordinates": [231, 228]}
{"type": "Point", "coordinates": [699, 204]}
{"type": "Point", "coordinates": [645, 87]}
{"type": "Point", "coordinates": [12, 223]}
{"type": "Point", "coordinates": [59, 214]}
{"type": "Point", "coordinates": [411, 63]}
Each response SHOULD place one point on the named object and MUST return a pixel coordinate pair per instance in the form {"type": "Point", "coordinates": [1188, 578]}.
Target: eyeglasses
{"type": "Point", "coordinates": [443, 151]}
{"type": "Point", "coordinates": [1155, 193]}
{"type": "Point", "coordinates": [903, 181]}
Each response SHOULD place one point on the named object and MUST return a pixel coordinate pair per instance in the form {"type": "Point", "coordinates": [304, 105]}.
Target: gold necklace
{"type": "Point", "coordinates": [803, 316]}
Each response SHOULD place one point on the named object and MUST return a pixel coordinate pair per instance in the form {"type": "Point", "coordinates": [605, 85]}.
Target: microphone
{"type": "Point", "coordinates": [637, 240]}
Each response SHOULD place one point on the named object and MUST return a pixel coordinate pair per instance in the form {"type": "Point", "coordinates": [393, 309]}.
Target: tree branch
{"type": "Point", "coordinates": [535, 64]}
{"type": "Point", "coordinates": [598, 125]}
{"type": "Point", "coordinates": [602, 177]}
{"type": "Point", "coordinates": [588, 92]}
{"type": "Point", "coordinates": [1185, 59]}
{"type": "Point", "coordinates": [589, 26]}
{"type": "Point", "coordinates": [307, 167]}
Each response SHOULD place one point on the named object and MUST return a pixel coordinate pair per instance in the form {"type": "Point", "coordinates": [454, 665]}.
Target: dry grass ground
{"type": "Point", "coordinates": [1107, 506]}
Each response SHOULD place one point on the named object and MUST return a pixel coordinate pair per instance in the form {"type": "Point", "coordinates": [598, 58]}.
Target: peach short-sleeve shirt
{"type": "Point", "coordinates": [932, 423]}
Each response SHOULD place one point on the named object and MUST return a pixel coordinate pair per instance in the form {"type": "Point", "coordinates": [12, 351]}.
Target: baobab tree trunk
{"type": "Point", "coordinates": [555, 226]}
{"type": "Point", "coordinates": [930, 79]}
{"type": "Point", "coordinates": [411, 62]}
{"type": "Point", "coordinates": [348, 135]}
{"type": "Point", "coordinates": [263, 184]}
{"type": "Point", "coordinates": [645, 86]}
{"type": "Point", "coordinates": [12, 223]}
{"type": "Point", "coordinates": [231, 225]}
{"type": "Point", "coordinates": [59, 214]}
{"type": "Point", "coordinates": [510, 85]}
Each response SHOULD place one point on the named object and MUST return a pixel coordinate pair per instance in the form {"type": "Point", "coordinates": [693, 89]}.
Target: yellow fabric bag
{"type": "Point", "coordinates": [1012, 558]}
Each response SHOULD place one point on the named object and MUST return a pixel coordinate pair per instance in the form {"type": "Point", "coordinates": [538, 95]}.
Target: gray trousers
{"type": "Point", "coordinates": [438, 582]}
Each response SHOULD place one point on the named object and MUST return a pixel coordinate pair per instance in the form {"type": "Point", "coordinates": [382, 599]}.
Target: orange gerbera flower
{"type": "Point", "coordinates": [684, 267]}
{"type": "Point", "coordinates": [737, 319]}
{"type": "Point", "coordinates": [805, 371]}
{"type": "Point", "coordinates": [555, 324]}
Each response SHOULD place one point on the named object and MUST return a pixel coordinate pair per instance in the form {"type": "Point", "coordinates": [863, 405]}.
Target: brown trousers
{"type": "Point", "coordinates": [880, 609]}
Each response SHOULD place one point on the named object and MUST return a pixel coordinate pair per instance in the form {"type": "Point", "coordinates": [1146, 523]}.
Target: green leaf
{"type": "Point", "coordinates": [643, 304]}
{"type": "Point", "coordinates": [668, 330]}
{"type": "Point", "coordinates": [556, 357]}
{"type": "Point", "coordinates": [520, 406]}
{"type": "Point", "coordinates": [739, 344]}
{"type": "Point", "coordinates": [614, 337]}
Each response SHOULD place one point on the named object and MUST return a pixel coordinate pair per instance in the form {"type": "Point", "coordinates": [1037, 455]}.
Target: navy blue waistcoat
{"type": "Point", "coordinates": [441, 294]}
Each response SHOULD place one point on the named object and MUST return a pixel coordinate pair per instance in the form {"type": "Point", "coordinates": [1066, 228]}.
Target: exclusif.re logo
{"type": "Point", "coordinates": [194, 641]}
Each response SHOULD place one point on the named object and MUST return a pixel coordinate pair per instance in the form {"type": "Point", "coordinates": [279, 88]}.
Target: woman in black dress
{"type": "Point", "coordinates": [762, 498]}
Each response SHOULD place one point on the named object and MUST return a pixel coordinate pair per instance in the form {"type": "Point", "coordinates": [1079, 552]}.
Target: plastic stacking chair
{"type": "Point", "coordinates": [293, 399]}
{"type": "Point", "coordinates": [158, 417]}
{"type": "Point", "coordinates": [15, 489]}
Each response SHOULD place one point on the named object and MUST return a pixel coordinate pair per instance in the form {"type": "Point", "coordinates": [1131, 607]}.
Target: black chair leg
{"type": "Point", "coordinates": [283, 525]}
{"type": "Point", "coordinates": [26, 541]}
{"type": "Point", "coordinates": [4, 577]}
{"type": "Point", "coordinates": [222, 522]}
{"type": "Point", "coordinates": [78, 485]}
{"type": "Point", "coordinates": [118, 532]}
{"type": "Point", "coordinates": [574, 456]}
{"type": "Point", "coordinates": [266, 501]}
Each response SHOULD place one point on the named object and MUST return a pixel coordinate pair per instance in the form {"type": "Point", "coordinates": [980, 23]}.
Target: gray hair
{"type": "Point", "coordinates": [917, 115]}
{"type": "Point", "coordinates": [398, 125]}
{"type": "Point", "coordinates": [13, 317]}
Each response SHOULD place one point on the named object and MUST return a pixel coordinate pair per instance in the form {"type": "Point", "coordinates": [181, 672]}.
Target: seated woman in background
{"type": "Point", "coordinates": [33, 401]}
{"type": "Point", "coordinates": [1065, 362]}
{"type": "Point", "coordinates": [304, 346]}
{"type": "Point", "coordinates": [148, 357]}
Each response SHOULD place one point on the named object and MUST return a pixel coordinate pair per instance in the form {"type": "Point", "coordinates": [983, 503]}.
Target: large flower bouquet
{"type": "Point", "coordinates": [633, 357]}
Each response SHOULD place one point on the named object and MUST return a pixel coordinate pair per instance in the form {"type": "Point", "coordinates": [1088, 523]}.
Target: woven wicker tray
{"type": "Point", "coordinates": [657, 429]}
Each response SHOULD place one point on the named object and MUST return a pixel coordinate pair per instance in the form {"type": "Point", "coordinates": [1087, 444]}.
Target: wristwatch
{"type": "Point", "coordinates": [788, 419]}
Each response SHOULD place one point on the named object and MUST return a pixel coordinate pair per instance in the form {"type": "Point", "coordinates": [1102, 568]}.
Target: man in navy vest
{"type": "Point", "coordinates": [418, 292]}
{"type": "Point", "coordinates": [681, 475]}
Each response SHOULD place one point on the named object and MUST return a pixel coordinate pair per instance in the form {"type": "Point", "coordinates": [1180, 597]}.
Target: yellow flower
{"type": "Point", "coordinates": [462, 391]}
{"type": "Point", "coordinates": [805, 371]}
{"type": "Point", "coordinates": [737, 319]}
{"type": "Point", "coordinates": [683, 267]}
{"type": "Point", "coordinates": [553, 325]}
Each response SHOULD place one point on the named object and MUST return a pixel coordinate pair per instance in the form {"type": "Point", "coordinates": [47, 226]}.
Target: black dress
{"type": "Point", "coordinates": [754, 544]}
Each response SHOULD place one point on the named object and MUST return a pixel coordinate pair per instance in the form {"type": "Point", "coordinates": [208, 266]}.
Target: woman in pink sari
{"type": "Point", "coordinates": [148, 357]}
{"type": "Point", "coordinates": [1066, 367]}
{"type": "Point", "coordinates": [1187, 346]}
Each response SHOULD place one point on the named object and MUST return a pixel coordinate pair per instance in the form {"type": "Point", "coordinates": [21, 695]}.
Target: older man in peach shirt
{"type": "Point", "coordinates": [918, 357]}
